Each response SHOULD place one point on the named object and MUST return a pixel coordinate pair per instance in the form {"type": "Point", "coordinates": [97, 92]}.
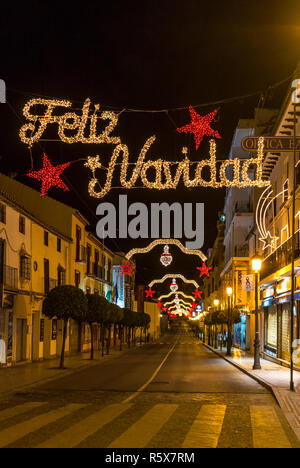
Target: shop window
{"type": "Point", "coordinates": [54, 330]}
{"type": "Point", "coordinates": [22, 224]}
{"type": "Point", "coordinates": [25, 267]}
{"type": "Point", "coordinates": [2, 213]}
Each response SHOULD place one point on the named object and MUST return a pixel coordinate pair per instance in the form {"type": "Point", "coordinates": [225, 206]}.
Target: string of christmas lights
{"type": "Point", "coordinates": [178, 276]}
{"type": "Point", "coordinates": [166, 296]}
{"type": "Point", "coordinates": [157, 242]}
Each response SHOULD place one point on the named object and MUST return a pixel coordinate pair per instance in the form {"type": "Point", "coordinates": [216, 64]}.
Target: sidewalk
{"type": "Point", "coordinates": [272, 376]}
{"type": "Point", "coordinates": [20, 377]}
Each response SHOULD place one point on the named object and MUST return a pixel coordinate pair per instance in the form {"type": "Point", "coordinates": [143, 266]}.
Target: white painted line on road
{"type": "Point", "coordinates": [266, 428]}
{"type": "Point", "coordinates": [140, 434]}
{"type": "Point", "coordinates": [206, 429]}
{"type": "Point", "coordinates": [143, 387]}
{"type": "Point", "coordinates": [19, 409]}
{"type": "Point", "coordinates": [74, 435]}
{"type": "Point", "coordinates": [14, 433]}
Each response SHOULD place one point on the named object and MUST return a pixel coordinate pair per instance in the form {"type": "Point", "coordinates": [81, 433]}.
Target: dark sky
{"type": "Point", "coordinates": [146, 55]}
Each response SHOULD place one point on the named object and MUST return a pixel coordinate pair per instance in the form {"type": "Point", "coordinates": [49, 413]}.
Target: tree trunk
{"type": "Point", "coordinates": [62, 357]}
{"type": "Point", "coordinates": [121, 336]}
{"type": "Point", "coordinates": [102, 337]}
{"type": "Point", "coordinates": [108, 339]}
{"type": "Point", "coordinates": [141, 332]}
{"type": "Point", "coordinates": [92, 341]}
{"type": "Point", "coordinates": [115, 335]}
{"type": "Point", "coordinates": [128, 336]}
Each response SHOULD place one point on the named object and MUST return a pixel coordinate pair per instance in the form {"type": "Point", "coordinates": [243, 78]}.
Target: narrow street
{"type": "Point", "coordinates": [171, 394]}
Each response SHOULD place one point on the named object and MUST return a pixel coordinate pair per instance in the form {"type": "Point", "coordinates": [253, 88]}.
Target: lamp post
{"type": "Point", "coordinates": [229, 338]}
{"type": "Point", "coordinates": [256, 267]}
{"type": "Point", "coordinates": [216, 303]}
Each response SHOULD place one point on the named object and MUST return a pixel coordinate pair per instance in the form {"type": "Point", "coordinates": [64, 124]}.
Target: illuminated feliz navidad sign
{"type": "Point", "coordinates": [81, 127]}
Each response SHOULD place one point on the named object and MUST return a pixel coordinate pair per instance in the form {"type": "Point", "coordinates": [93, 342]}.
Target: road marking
{"type": "Point", "coordinates": [14, 433]}
{"type": "Point", "coordinates": [142, 388]}
{"type": "Point", "coordinates": [17, 410]}
{"type": "Point", "coordinates": [266, 428]}
{"type": "Point", "coordinates": [206, 429]}
{"type": "Point", "coordinates": [76, 434]}
{"type": "Point", "coordinates": [141, 433]}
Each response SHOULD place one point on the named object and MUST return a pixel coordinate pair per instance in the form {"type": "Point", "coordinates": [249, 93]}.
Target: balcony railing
{"type": "Point", "coordinates": [281, 257]}
{"type": "Point", "coordinates": [10, 277]}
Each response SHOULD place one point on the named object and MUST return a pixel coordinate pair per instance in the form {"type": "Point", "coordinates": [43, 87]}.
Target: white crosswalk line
{"type": "Point", "coordinates": [74, 435]}
{"type": "Point", "coordinates": [19, 409]}
{"type": "Point", "coordinates": [266, 428]}
{"type": "Point", "coordinates": [206, 429]}
{"type": "Point", "coordinates": [141, 433]}
{"type": "Point", "coordinates": [14, 433]}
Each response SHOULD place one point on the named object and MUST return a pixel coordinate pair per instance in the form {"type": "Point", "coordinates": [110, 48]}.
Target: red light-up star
{"type": "Point", "coordinates": [194, 305]}
{"type": "Point", "coordinates": [50, 176]}
{"type": "Point", "coordinates": [197, 293]}
{"type": "Point", "coordinates": [204, 270]}
{"type": "Point", "coordinates": [164, 309]}
{"type": "Point", "coordinates": [149, 292]}
{"type": "Point", "coordinates": [159, 304]}
{"type": "Point", "coordinates": [200, 126]}
{"type": "Point", "coordinates": [127, 268]}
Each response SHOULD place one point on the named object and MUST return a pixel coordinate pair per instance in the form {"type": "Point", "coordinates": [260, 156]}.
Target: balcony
{"type": "Point", "coordinates": [281, 257]}
{"type": "Point", "coordinates": [10, 277]}
{"type": "Point", "coordinates": [49, 284]}
{"type": "Point", "coordinates": [80, 254]}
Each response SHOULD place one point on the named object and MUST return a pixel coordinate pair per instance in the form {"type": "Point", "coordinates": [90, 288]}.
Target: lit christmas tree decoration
{"type": "Point", "coordinates": [172, 275]}
{"type": "Point", "coordinates": [204, 270]}
{"type": "Point", "coordinates": [49, 176]}
{"type": "Point", "coordinates": [200, 126]}
{"type": "Point", "coordinates": [166, 258]}
{"type": "Point", "coordinates": [127, 269]}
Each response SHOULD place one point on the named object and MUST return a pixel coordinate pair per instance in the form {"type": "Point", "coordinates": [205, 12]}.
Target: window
{"type": "Point", "coordinates": [22, 224]}
{"type": "Point", "coordinates": [285, 187]}
{"type": "Point", "coordinates": [284, 234]}
{"type": "Point", "coordinates": [88, 262]}
{"type": "Point", "coordinates": [54, 330]}
{"type": "Point", "coordinates": [61, 276]}
{"type": "Point", "coordinates": [42, 330]}
{"type": "Point", "coordinates": [77, 278]}
{"type": "Point", "coordinates": [78, 240]}
{"type": "Point", "coordinates": [58, 244]}
{"type": "Point", "coordinates": [46, 238]}
{"type": "Point", "coordinates": [2, 213]}
{"type": "Point", "coordinates": [25, 267]}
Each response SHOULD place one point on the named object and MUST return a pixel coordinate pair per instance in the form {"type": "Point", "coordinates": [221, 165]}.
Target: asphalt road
{"type": "Point", "coordinates": [171, 394]}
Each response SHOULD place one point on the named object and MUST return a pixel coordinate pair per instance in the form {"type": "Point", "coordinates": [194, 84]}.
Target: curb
{"type": "Point", "coordinates": [259, 380]}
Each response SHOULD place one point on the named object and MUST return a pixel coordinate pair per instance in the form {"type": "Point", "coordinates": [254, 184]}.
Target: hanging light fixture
{"type": "Point", "coordinates": [166, 258]}
{"type": "Point", "coordinates": [174, 285]}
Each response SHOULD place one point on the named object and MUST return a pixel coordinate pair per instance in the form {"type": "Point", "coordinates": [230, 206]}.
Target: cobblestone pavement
{"type": "Point", "coordinates": [172, 394]}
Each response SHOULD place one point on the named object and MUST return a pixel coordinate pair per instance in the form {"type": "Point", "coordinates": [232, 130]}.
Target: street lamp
{"type": "Point", "coordinates": [256, 267]}
{"type": "Point", "coordinates": [229, 338]}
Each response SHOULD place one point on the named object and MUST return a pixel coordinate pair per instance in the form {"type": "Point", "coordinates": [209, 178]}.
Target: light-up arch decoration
{"type": "Point", "coordinates": [181, 302]}
{"type": "Point", "coordinates": [177, 276]}
{"type": "Point", "coordinates": [180, 293]}
{"type": "Point", "coordinates": [265, 201]}
{"type": "Point", "coordinates": [176, 242]}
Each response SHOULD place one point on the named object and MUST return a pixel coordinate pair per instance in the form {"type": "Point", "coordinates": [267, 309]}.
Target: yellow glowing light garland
{"type": "Point", "coordinates": [178, 276]}
{"type": "Point", "coordinates": [33, 131]}
{"type": "Point", "coordinates": [166, 296]}
{"type": "Point", "coordinates": [188, 304]}
{"type": "Point", "coordinates": [166, 241]}
{"type": "Point", "coordinates": [162, 168]}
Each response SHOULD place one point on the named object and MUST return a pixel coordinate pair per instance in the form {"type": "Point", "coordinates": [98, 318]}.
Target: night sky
{"type": "Point", "coordinates": [143, 55]}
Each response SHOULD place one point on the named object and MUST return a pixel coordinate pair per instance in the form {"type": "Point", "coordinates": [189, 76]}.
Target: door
{"type": "Point", "coordinates": [21, 340]}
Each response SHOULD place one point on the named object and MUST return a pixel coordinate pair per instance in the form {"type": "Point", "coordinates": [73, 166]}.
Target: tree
{"type": "Point", "coordinates": [96, 313]}
{"type": "Point", "coordinates": [65, 302]}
